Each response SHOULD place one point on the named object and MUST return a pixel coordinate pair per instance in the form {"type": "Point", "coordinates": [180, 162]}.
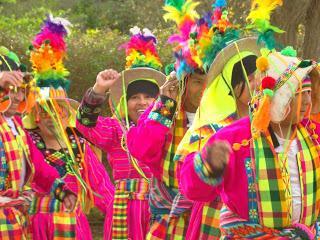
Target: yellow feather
{"type": "Point", "coordinates": [261, 9]}
{"type": "Point", "coordinates": [187, 10]}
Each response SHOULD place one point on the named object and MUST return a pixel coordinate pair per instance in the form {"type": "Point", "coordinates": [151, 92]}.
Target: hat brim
{"type": "Point", "coordinates": [29, 122]}
{"type": "Point", "coordinates": [130, 75]}
{"type": "Point", "coordinates": [248, 44]}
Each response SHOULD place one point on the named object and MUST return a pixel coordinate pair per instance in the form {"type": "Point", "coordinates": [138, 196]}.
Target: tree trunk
{"type": "Point", "coordinates": [288, 18]}
{"type": "Point", "coordinates": [311, 45]}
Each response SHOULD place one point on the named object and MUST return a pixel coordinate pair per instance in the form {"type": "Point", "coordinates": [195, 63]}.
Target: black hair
{"type": "Point", "coordinates": [238, 76]}
{"type": "Point", "coordinates": [142, 86]}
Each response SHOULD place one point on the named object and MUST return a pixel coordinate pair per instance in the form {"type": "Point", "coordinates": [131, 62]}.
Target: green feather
{"type": "Point", "coordinates": [175, 3]}
{"type": "Point", "coordinates": [169, 68]}
{"type": "Point", "coordinates": [289, 52]}
{"type": "Point", "coordinates": [4, 51]}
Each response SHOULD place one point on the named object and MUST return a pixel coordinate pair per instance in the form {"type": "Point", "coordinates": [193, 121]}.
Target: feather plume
{"type": "Point", "coordinates": [262, 9]}
{"type": "Point", "coordinates": [141, 49]}
{"type": "Point", "coordinates": [48, 51]}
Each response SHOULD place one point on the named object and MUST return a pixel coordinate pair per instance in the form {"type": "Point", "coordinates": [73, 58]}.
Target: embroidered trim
{"type": "Point", "coordinates": [204, 172]}
{"type": "Point", "coordinates": [161, 119]}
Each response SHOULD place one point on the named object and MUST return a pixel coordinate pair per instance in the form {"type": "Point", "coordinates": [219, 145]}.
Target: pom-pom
{"type": "Point", "coordinates": [268, 92]}
{"type": "Point", "coordinates": [262, 64]}
{"type": "Point", "coordinates": [289, 52]}
{"type": "Point", "coordinates": [268, 83]}
{"type": "Point", "coordinates": [261, 118]}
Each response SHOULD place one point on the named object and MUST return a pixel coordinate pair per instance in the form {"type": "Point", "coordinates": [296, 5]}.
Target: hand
{"type": "Point", "coordinates": [170, 87]}
{"type": "Point", "coordinates": [105, 80]}
{"type": "Point", "coordinates": [8, 79]}
{"type": "Point", "coordinates": [70, 201]}
{"type": "Point", "coordinates": [218, 156]}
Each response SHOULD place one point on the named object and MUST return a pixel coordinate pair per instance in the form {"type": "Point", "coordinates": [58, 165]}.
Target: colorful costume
{"type": "Point", "coordinates": [18, 168]}
{"type": "Point", "coordinates": [226, 59]}
{"type": "Point", "coordinates": [131, 212]}
{"type": "Point", "coordinates": [256, 184]}
{"type": "Point", "coordinates": [77, 164]}
{"type": "Point", "coordinates": [160, 129]}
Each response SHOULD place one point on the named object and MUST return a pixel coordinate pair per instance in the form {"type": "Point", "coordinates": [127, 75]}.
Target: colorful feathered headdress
{"type": "Point", "coordinates": [141, 50]}
{"type": "Point", "coordinates": [47, 53]}
{"type": "Point", "coordinates": [184, 15]}
{"type": "Point", "coordinates": [259, 21]}
{"type": "Point", "coordinates": [221, 33]}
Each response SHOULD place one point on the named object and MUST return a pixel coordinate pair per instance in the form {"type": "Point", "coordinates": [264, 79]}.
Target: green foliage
{"type": "Point", "coordinates": [99, 28]}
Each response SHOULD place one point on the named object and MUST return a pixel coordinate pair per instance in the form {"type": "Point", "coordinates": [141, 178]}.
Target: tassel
{"type": "Point", "coordinates": [261, 118]}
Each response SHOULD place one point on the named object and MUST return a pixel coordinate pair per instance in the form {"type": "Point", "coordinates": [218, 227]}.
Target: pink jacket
{"type": "Point", "coordinates": [234, 185]}
{"type": "Point", "coordinates": [107, 135]}
{"type": "Point", "coordinates": [98, 178]}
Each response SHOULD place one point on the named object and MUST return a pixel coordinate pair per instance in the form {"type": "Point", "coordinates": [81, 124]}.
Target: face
{"type": "Point", "coordinates": [46, 124]}
{"type": "Point", "coordinates": [244, 97]}
{"type": "Point", "coordinates": [137, 104]}
{"type": "Point", "coordinates": [16, 96]}
{"type": "Point", "coordinates": [296, 112]}
{"type": "Point", "coordinates": [195, 85]}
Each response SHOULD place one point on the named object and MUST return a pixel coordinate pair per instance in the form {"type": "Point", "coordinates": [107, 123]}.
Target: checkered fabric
{"type": "Point", "coordinates": [13, 224]}
{"type": "Point", "coordinates": [166, 227]}
{"type": "Point", "coordinates": [210, 222]}
{"type": "Point", "coordinates": [126, 189]}
{"type": "Point", "coordinates": [64, 224]}
{"type": "Point", "coordinates": [15, 149]}
{"type": "Point", "coordinates": [178, 130]}
{"type": "Point", "coordinates": [273, 180]}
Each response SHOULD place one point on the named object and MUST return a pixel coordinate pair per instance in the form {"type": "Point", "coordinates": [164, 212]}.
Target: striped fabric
{"type": "Point", "coordinates": [193, 141]}
{"type": "Point", "coordinates": [64, 222]}
{"type": "Point", "coordinates": [167, 224]}
{"type": "Point", "coordinates": [126, 189]}
{"type": "Point", "coordinates": [233, 227]}
{"type": "Point", "coordinates": [169, 227]}
{"type": "Point", "coordinates": [274, 188]}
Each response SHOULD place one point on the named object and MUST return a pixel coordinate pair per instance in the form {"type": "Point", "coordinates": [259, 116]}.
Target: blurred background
{"type": "Point", "coordinates": [101, 26]}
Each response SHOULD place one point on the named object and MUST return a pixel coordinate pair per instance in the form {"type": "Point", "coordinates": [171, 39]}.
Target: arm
{"type": "Point", "coordinates": [98, 130]}
{"type": "Point", "coordinates": [200, 180]}
{"type": "Point", "coordinates": [99, 181]}
{"type": "Point", "coordinates": [147, 140]}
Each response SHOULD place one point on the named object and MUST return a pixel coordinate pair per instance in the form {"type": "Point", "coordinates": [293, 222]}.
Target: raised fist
{"type": "Point", "coordinates": [171, 87]}
{"type": "Point", "coordinates": [218, 156]}
{"type": "Point", "coordinates": [105, 80]}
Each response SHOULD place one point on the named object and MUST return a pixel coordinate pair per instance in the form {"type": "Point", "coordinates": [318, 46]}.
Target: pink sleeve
{"type": "Point", "coordinates": [192, 186]}
{"type": "Point", "coordinates": [44, 175]}
{"type": "Point", "coordinates": [147, 140]}
{"type": "Point", "coordinates": [102, 135]}
{"type": "Point", "coordinates": [99, 181]}
{"type": "Point", "coordinates": [101, 131]}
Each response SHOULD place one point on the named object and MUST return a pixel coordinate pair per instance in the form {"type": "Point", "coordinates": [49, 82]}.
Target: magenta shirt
{"type": "Point", "coordinates": [107, 135]}
{"type": "Point", "coordinates": [234, 186]}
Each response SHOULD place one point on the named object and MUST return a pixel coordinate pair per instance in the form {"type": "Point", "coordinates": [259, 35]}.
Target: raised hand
{"type": "Point", "coordinates": [218, 156]}
{"type": "Point", "coordinates": [70, 201]}
{"type": "Point", "coordinates": [11, 79]}
{"type": "Point", "coordinates": [171, 87]}
{"type": "Point", "coordinates": [105, 81]}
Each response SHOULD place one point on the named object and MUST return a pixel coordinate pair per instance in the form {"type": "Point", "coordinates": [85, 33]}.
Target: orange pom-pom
{"type": "Point", "coordinates": [262, 64]}
{"type": "Point", "coordinates": [261, 118]}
